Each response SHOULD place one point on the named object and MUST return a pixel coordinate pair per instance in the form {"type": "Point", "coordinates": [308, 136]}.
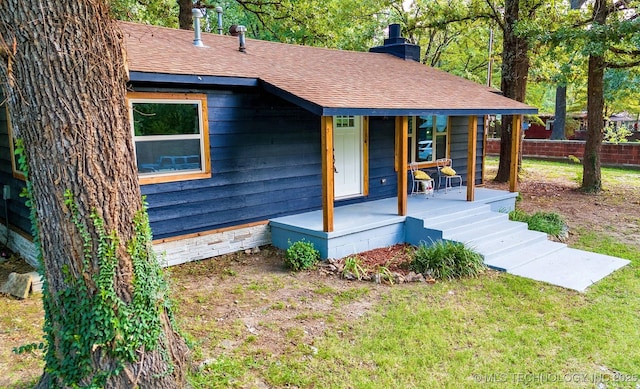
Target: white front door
{"type": "Point", "coordinates": [348, 164]}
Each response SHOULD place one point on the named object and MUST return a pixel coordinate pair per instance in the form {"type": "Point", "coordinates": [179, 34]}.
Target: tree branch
{"type": "Point", "coordinates": [495, 15]}
{"type": "Point", "coordinates": [615, 65]}
{"type": "Point", "coordinates": [617, 50]}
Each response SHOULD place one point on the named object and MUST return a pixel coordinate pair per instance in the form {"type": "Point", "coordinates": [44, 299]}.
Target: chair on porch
{"type": "Point", "coordinates": [421, 182]}
{"type": "Point", "coordinates": [446, 172]}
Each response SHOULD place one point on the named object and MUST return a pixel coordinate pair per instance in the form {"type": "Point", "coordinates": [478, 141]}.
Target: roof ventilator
{"type": "Point", "coordinates": [241, 30]}
{"type": "Point", "coordinates": [219, 12]}
{"type": "Point", "coordinates": [197, 14]}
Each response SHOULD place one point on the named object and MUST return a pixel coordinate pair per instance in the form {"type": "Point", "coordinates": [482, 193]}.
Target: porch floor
{"type": "Point", "coordinates": [482, 224]}
{"type": "Point", "coordinates": [357, 216]}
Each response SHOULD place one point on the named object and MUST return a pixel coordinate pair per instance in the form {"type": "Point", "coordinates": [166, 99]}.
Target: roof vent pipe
{"type": "Point", "coordinates": [241, 30]}
{"type": "Point", "coordinates": [219, 12]}
{"type": "Point", "coordinates": [196, 13]}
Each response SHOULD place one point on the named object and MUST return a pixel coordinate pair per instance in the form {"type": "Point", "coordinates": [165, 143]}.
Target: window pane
{"type": "Point", "coordinates": [425, 139]}
{"type": "Point", "coordinates": [165, 119]}
{"type": "Point", "coordinates": [168, 155]}
{"type": "Point", "coordinates": [441, 123]}
{"type": "Point", "coordinates": [441, 147]}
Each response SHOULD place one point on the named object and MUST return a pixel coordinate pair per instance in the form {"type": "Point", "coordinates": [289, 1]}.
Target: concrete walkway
{"type": "Point", "coordinates": [509, 246]}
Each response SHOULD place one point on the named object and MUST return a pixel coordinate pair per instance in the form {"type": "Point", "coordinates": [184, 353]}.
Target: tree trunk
{"type": "Point", "coordinates": [561, 113]}
{"type": "Point", "coordinates": [106, 319]}
{"type": "Point", "coordinates": [591, 175]}
{"type": "Point", "coordinates": [185, 20]}
{"type": "Point", "coordinates": [515, 69]}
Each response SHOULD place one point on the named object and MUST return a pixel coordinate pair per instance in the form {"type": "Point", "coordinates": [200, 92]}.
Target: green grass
{"type": "Point", "coordinates": [547, 222]}
{"type": "Point", "coordinates": [496, 330]}
{"type": "Point", "coordinates": [454, 334]}
{"type": "Point", "coordinates": [611, 176]}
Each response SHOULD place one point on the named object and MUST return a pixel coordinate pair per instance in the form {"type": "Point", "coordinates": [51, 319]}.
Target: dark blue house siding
{"type": "Point", "coordinates": [18, 213]}
{"type": "Point", "coordinates": [381, 158]}
{"type": "Point", "coordinates": [459, 146]}
{"type": "Point", "coordinates": [265, 160]}
{"type": "Point", "coordinates": [266, 163]}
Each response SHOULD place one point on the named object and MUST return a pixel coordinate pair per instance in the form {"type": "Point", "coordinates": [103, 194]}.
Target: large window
{"type": "Point", "coordinates": [170, 135]}
{"type": "Point", "coordinates": [428, 138]}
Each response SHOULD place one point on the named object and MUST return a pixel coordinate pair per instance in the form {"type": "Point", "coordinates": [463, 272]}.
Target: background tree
{"type": "Point", "coordinates": [607, 32]}
{"type": "Point", "coordinates": [515, 52]}
{"type": "Point", "coordinates": [107, 315]}
{"type": "Point", "coordinates": [561, 95]}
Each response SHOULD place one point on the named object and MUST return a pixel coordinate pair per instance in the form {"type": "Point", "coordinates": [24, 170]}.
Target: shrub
{"type": "Point", "coordinates": [547, 222]}
{"type": "Point", "coordinates": [447, 260]}
{"type": "Point", "coordinates": [301, 255]}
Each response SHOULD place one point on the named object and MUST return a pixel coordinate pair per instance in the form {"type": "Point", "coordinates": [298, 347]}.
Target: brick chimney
{"type": "Point", "coordinates": [398, 46]}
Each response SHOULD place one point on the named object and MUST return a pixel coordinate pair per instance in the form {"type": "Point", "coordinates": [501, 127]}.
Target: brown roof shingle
{"type": "Point", "coordinates": [335, 81]}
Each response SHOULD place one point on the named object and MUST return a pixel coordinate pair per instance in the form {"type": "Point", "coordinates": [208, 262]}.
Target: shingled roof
{"type": "Point", "coordinates": [324, 81]}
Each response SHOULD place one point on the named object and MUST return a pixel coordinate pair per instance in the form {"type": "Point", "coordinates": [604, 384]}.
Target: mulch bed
{"type": "Point", "coordinates": [396, 258]}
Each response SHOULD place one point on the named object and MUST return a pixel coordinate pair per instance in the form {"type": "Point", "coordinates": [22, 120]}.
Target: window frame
{"type": "Point", "coordinates": [413, 139]}
{"type": "Point", "coordinates": [203, 136]}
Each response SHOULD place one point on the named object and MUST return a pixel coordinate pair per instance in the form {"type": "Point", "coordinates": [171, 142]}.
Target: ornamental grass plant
{"type": "Point", "coordinates": [447, 260]}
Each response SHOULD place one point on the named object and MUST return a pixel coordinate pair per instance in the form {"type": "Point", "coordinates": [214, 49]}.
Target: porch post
{"type": "Point", "coordinates": [516, 129]}
{"type": "Point", "coordinates": [327, 173]}
{"type": "Point", "coordinates": [472, 145]}
{"type": "Point", "coordinates": [402, 150]}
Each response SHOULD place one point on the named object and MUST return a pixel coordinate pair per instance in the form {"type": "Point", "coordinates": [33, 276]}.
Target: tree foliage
{"type": "Point", "coordinates": [157, 12]}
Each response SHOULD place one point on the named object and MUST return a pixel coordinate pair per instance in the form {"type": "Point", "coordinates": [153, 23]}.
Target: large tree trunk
{"type": "Point", "coordinates": [107, 323]}
{"type": "Point", "coordinates": [561, 113]}
{"type": "Point", "coordinates": [185, 19]}
{"type": "Point", "coordinates": [591, 175]}
{"type": "Point", "coordinates": [515, 69]}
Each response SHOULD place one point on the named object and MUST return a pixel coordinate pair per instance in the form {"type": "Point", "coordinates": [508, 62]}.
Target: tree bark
{"type": "Point", "coordinates": [185, 20]}
{"type": "Point", "coordinates": [591, 174]}
{"type": "Point", "coordinates": [515, 69]}
{"type": "Point", "coordinates": [63, 69]}
{"type": "Point", "coordinates": [561, 113]}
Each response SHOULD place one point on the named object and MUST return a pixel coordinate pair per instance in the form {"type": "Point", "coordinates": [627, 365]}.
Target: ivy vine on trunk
{"type": "Point", "coordinates": [107, 313]}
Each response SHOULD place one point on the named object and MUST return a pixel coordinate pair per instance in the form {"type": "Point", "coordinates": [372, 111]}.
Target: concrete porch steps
{"type": "Point", "coordinates": [510, 247]}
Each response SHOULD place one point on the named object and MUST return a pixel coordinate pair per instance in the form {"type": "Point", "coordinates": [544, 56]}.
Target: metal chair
{"type": "Point", "coordinates": [448, 178]}
{"type": "Point", "coordinates": [420, 184]}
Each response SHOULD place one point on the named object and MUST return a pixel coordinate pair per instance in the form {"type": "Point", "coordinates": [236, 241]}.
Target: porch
{"type": "Point", "coordinates": [482, 224]}
{"type": "Point", "coordinates": [370, 225]}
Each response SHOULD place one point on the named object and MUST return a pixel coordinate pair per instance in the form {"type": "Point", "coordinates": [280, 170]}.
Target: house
{"type": "Point", "coordinates": [232, 133]}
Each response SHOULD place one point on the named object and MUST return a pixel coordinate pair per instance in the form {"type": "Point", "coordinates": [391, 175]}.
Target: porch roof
{"type": "Point", "coordinates": [324, 81]}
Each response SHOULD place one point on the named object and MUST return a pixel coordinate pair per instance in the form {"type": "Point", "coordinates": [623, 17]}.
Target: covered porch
{"type": "Point", "coordinates": [375, 224]}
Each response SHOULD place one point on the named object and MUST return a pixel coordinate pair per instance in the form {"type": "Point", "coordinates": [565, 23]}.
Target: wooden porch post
{"type": "Point", "coordinates": [327, 173]}
{"type": "Point", "coordinates": [516, 129]}
{"type": "Point", "coordinates": [402, 150]}
{"type": "Point", "coordinates": [472, 145]}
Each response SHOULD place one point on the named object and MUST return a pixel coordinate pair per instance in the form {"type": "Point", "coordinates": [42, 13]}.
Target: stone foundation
{"type": "Point", "coordinates": [176, 251]}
